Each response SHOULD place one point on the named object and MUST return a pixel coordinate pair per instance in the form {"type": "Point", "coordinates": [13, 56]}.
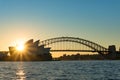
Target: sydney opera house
{"type": "Point", "coordinates": [32, 52]}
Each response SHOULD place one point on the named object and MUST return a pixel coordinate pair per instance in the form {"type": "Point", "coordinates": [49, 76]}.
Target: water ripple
{"type": "Point", "coordinates": [60, 70]}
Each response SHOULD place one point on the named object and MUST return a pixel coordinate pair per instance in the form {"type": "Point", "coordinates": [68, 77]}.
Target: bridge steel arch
{"type": "Point", "coordinates": [94, 46]}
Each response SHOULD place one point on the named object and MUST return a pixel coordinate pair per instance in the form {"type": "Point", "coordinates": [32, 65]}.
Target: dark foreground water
{"type": "Point", "coordinates": [60, 70]}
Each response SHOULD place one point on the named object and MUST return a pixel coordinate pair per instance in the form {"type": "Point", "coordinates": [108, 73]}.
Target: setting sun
{"type": "Point", "coordinates": [20, 46]}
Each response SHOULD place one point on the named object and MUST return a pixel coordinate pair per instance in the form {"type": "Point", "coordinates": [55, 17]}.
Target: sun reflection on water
{"type": "Point", "coordinates": [20, 73]}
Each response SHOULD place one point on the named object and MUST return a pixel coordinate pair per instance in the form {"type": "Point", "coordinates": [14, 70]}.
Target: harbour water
{"type": "Point", "coordinates": [60, 70]}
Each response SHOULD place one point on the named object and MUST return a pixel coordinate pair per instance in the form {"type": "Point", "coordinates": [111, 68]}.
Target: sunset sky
{"type": "Point", "coordinates": [94, 20]}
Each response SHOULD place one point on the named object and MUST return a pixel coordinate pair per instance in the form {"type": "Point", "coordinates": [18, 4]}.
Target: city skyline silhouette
{"type": "Point", "coordinates": [57, 45]}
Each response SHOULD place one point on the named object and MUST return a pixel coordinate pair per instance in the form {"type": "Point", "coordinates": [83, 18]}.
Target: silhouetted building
{"type": "Point", "coordinates": [3, 55]}
{"type": "Point", "coordinates": [32, 52]}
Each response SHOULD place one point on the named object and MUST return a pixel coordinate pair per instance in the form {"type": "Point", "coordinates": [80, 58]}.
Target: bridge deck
{"type": "Point", "coordinates": [75, 51]}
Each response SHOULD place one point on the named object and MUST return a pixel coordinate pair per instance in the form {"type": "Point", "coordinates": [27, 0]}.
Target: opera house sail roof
{"type": "Point", "coordinates": [33, 49]}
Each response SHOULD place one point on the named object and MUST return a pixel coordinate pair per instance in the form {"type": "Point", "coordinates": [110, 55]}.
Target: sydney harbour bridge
{"type": "Point", "coordinates": [73, 44]}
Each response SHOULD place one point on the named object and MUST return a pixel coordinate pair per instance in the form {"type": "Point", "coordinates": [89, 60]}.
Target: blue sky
{"type": "Point", "coordinates": [95, 20]}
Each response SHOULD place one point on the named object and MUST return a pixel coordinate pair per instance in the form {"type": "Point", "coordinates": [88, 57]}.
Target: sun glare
{"type": "Point", "coordinates": [20, 46]}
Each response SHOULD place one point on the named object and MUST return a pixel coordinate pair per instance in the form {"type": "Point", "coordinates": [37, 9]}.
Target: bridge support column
{"type": "Point", "coordinates": [112, 52]}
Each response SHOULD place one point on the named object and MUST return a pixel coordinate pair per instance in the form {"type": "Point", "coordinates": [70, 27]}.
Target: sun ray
{"type": "Point", "coordinates": [20, 46]}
